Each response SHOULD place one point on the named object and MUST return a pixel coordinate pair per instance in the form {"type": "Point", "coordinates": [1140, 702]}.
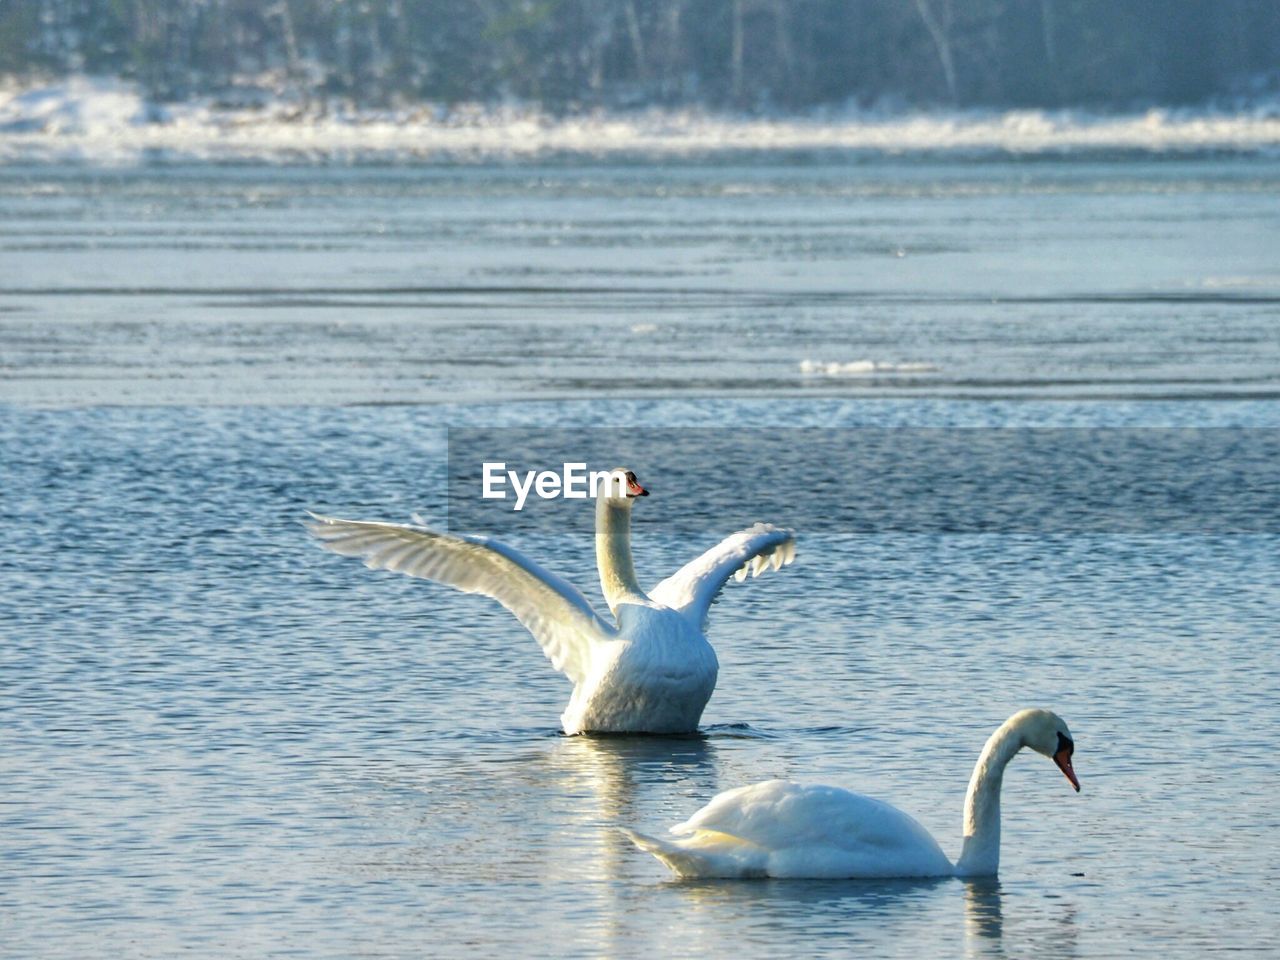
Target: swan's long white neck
{"type": "Point", "coordinates": [980, 856]}
{"type": "Point", "coordinates": [613, 553]}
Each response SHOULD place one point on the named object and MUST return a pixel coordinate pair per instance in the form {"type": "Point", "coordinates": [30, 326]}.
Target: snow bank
{"type": "Point", "coordinates": [109, 121]}
{"type": "Point", "coordinates": [78, 106]}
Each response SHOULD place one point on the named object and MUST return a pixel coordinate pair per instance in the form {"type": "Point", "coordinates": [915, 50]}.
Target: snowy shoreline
{"type": "Point", "coordinates": [109, 121]}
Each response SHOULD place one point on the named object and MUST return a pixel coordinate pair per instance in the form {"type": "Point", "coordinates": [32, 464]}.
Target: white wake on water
{"type": "Point", "coordinates": [111, 121]}
{"type": "Point", "coordinates": [862, 368]}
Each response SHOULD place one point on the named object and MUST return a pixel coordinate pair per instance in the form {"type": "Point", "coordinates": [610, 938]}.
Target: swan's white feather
{"type": "Point", "coordinates": [694, 587]}
{"type": "Point", "coordinates": [560, 618]}
{"type": "Point", "coordinates": [783, 829]}
{"type": "Point", "coordinates": [729, 858]}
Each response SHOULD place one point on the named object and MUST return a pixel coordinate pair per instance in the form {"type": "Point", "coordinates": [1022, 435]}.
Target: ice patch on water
{"type": "Point", "coordinates": [862, 368]}
{"type": "Point", "coordinates": [109, 120]}
{"type": "Point", "coordinates": [1240, 282]}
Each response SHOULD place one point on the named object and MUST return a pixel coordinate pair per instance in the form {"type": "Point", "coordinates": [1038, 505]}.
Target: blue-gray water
{"type": "Point", "coordinates": [250, 284]}
{"type": "Point", "coordinates": [219, 741]}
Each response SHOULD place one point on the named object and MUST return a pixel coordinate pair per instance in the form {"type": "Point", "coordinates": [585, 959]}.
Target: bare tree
{"type": "Point", "coordinates": [637, 39]}
{"type": "Point", "coordinates": [735, 56]}
{"type": "Point", "coordinates": [1047, 32]}
{"type": "Point", "coordinates": [293, 62]}
{"type": "Point", "coordinates": [783, 28]}
{"type": "Point", "coordinates": [565, 53]}
{"type": "Point", "coordinates": [939, 26]}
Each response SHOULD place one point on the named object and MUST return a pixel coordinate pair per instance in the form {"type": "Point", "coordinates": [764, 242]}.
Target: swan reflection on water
{"type": "Point", "coordinates": [1044, 922]}
{"type": "Point", "coordinates": [618, 767]}
{"type": "Point", "coordinates": [873, 912]}
{"type": "Point", "coordinates": [859, 913]}
{"type": "Point", "coordinates": [983, 910]}
{"type": "Point", "coordinates": [782, 899]}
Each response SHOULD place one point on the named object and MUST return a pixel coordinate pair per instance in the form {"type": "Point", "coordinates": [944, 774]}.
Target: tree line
{"type": "Point", "coordinates": [735, 54]}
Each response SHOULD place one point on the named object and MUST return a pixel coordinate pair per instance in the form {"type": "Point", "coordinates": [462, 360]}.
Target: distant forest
{"type": "Point", "coordinates": [736, 54]}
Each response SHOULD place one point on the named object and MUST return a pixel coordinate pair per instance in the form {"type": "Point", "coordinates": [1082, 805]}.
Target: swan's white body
{"type": "Point", "coordinates": [655, 676]}
{"type": "Point", "coordinates": [783, 829]}
{"type": "Point", "coordinates": [651, 671]}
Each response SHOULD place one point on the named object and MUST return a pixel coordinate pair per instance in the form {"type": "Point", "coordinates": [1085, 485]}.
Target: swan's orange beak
{"type": "Point", "coordinates": [635, 490]}
{"type": "Point", "coordinates": [1063, 759]}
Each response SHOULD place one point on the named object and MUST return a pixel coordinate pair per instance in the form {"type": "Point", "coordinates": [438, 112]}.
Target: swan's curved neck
{"type": "Point", "coordinates": [980, 856]}
{"type": "Point", "coordinates": [613, 553]}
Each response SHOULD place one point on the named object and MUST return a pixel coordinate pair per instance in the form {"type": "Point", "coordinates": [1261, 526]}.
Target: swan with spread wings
{"type": "Point", "coordinates": [652, 669]}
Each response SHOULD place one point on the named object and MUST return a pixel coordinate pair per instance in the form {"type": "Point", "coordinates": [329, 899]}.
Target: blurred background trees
{"type": "Point", "coordinates": [739, 54]}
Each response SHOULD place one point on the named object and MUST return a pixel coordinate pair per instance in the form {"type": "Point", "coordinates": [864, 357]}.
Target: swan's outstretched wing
{"type": "Point", "coordinates": [694, 587]}
{"type": "Point", "coordinates": [553, 610]}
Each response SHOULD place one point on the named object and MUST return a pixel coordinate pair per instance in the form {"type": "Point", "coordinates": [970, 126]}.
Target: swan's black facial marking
{"type": "Point", "coordinates": [633, 486]}
{"type": "Point", "coordinates": [1062, 757]}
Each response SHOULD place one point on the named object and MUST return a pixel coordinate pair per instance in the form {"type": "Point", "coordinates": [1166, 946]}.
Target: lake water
{"type": "Point", "coordinates": [218, 741]}
{"type": "Point", "coordinates": [402, 284]}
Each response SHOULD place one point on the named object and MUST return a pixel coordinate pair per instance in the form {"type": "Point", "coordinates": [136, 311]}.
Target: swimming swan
{"type": "Point", "coordinates": [783, 829]}
{"type": "Point", "coordinates": [651, 672]}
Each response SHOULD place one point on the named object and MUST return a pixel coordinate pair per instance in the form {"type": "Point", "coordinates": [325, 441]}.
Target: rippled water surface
{"type": "Point", "coordinates": [218, 741]}
{"type": "Point", "coordinates": [1081, 277]}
